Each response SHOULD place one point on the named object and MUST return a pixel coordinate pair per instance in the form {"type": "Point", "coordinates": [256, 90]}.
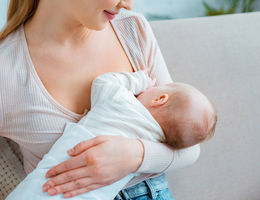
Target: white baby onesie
{"type": "Point", "coordinates": [114, 111]}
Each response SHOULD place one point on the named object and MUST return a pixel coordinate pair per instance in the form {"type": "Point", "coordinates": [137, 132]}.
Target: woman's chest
{"type": "Point", "coordinates": [68, 77]}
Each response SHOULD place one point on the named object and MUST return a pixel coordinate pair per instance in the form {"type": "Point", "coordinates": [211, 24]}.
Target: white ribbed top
{"type": "Point", "coordinates": [30, 116]}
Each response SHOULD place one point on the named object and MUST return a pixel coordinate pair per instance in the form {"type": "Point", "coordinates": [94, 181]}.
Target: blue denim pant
{"type": "Point", "coordinates": [153, 188]}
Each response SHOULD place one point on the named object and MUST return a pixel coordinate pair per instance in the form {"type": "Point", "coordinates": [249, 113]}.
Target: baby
{"type": "Point", "coordinates": [176, 114]}
{"type": "Point", "coordinates": [186, 116]}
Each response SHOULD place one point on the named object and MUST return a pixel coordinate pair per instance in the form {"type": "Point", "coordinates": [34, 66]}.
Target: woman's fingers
{"type": "Point", "coordinates": [71, 175]}
{"type": "Point", "coordinates": [83, 146]}
{"type": "Point", "coordinates": [73, 163]}
{"type": "Point", "coordinates": [82, 190]}
{"type": "Point", "coordinates": [71, 186]}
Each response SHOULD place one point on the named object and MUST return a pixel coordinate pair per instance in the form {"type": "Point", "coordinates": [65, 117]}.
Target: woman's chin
{"type": "Point", "coordinates": [100, 26]}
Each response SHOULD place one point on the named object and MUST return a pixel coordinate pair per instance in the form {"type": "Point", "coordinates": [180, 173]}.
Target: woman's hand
{"type": "Point", "coordinates": [95, 163]}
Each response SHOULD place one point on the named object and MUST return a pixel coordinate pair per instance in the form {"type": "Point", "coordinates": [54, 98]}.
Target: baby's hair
{"type": "Point", "coordinates": [214, 120]}
{"type": "Point", "coordinates": [179, 123]}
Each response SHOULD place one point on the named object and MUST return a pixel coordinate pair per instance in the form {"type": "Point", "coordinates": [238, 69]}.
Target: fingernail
{"type": "Point", "coordinates": [49, 174]}
{"type": "Point", "coordinates": [71, 151]}
{"type": "Point", "coordinates": [52, 191]}
{"type": "Point", "coordinates": [45, 188]}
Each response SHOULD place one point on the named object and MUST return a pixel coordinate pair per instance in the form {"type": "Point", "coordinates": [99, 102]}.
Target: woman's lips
{"type": "Point", "coordinates": [110, 15]}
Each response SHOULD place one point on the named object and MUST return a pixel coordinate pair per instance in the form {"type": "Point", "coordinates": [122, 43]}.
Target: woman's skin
{"type": "Point", "coordinates": [66, 40]}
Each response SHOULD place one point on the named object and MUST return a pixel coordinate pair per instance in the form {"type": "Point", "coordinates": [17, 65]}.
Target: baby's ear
{"type": "Point", "coordinates": [161, 100]}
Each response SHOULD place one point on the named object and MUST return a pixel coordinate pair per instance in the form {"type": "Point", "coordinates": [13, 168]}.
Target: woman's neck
{"type": "Point", "coordinates": [55, 27]}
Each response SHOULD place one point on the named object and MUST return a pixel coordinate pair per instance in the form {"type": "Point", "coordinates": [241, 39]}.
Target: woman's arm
{"type": "Point", "coordinates": [159, 157]}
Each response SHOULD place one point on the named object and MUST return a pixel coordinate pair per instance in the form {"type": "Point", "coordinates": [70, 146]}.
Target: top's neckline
{"type": "Point", "coordinates": [32, 69]}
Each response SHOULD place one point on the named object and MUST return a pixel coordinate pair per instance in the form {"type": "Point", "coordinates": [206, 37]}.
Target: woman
{"type": "Point", "coordinates": [50, 51]}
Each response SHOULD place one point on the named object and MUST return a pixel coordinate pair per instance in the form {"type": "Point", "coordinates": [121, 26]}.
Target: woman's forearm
{"type": "Point", "coordinates": [159, 157]}
{"type": "Point", "coordinates": [184, 158]}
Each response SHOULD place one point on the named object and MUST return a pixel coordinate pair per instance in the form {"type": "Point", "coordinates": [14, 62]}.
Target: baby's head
{"type": "Point", "coordinates": [186, 116]}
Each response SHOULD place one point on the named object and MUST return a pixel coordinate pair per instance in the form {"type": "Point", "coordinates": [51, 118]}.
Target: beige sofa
{"type": "Point", "coordinates": [220, 56]}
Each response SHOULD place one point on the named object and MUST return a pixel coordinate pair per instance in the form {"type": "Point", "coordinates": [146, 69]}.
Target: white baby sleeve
{"type": "Point", "coordinates": [110, 83]}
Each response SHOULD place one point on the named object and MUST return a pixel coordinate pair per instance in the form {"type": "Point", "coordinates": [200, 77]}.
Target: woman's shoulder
{"type": "Point", "coordinates": [129, 19]}
{"type": "Point", "coordinates": [10, 54]}
{"type": "Point", "coordinates": [10, 42]}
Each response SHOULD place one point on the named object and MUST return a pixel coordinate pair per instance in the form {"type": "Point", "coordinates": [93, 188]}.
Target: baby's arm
{"type": "Point", "coordinates": [110, 83]}
{"type": "Point", "coordinates": [135, 82]}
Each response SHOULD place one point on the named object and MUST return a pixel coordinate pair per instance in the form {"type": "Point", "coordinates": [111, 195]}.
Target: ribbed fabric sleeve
{"type": "Point", "coordinates": [153, 58]}
{"type": "Point", "coordinates": [154, 162]}
{"type": "Point", "coordinates": [153, 153]}
{"type": "Point", "coordinates": [1, 113]}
